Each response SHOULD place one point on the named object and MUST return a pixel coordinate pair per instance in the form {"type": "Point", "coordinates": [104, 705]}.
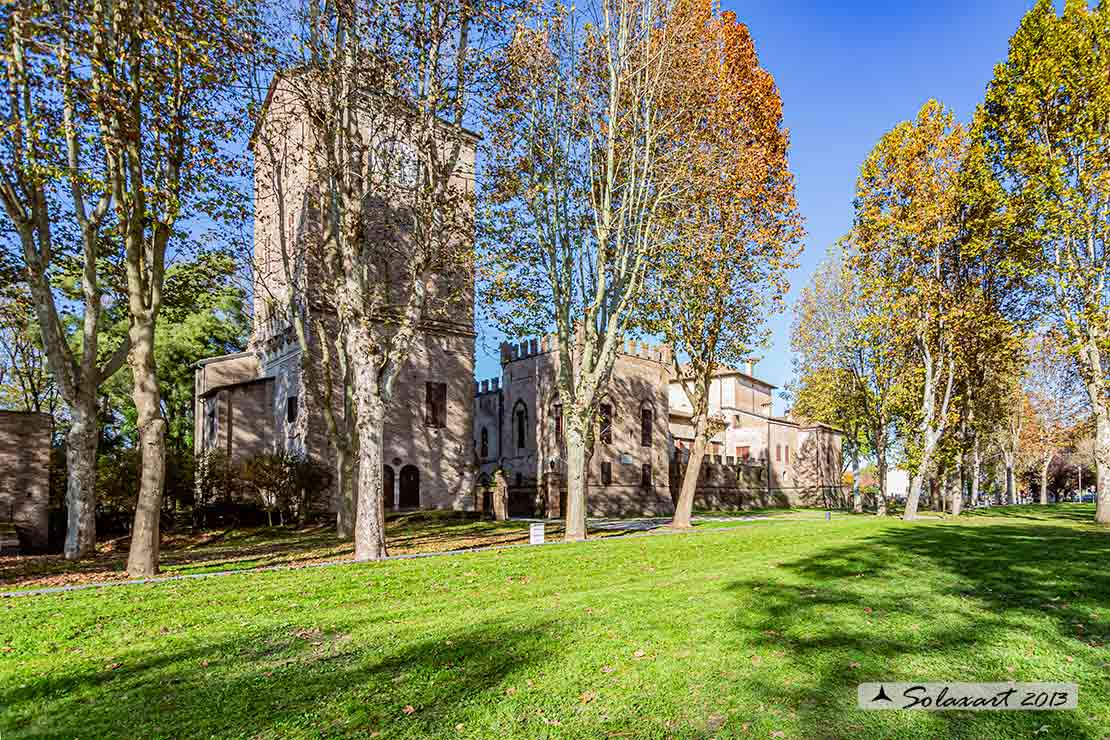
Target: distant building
{"type": "Point", "coordinates": [25, 439]}
{"type": "Point", "coordinates": [644, 435]}
{"type": "Point", "coordinates": [259, 401]}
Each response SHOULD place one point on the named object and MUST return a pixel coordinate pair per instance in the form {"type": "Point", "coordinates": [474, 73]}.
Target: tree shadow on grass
{"type": "Point", "coordinates": [308, 682]}
{"type": "Point", "coordinates": [932, 603]}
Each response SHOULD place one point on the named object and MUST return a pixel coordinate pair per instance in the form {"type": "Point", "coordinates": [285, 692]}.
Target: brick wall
{"type": "Point", "coordinates": [25, 479]}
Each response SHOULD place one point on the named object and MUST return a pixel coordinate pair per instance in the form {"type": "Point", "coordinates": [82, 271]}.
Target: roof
{"type": "Point", "coordinates": [221, 358]}
{"type": "Point", "coordinates": [238, 384]}
{"type": "Point", "coordinates": [474, 136]}
{"type": "Point", "coordinates": [731, 371]}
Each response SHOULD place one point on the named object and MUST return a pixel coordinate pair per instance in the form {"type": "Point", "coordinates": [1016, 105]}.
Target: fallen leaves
{"type": "Point", "coordinates": [409, 709]}
{"type": "Point", "coordinates": [587, 697]}
{"type": "Point", "coordinates": [607, 669]}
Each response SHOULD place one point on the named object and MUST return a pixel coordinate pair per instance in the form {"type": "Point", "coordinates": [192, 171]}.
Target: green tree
{"type": "Point", "coordinates": [1047, 122]}
{"type": "Point", "coordinates": [734, 230]}
{"type": "Point", "coordinates": [907, 249]}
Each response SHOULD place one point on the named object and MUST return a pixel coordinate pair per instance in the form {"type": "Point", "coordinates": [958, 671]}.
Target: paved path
{"type": "Point", "coordinates": [647, 527]}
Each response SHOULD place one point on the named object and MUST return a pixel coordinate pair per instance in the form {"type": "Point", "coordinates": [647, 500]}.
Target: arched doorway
{"type": "Point", "coordinates": [487, 493]}
{"type": "Point", "coordinates": [410, 487]}
{"type": "Point", "coordinates": [387, 486]}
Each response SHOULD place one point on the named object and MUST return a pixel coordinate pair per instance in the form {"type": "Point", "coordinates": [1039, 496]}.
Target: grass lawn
{"type": "Point", "coordinates": [759, 630]}
{"type": "Point", "coordinates": [267, 547]}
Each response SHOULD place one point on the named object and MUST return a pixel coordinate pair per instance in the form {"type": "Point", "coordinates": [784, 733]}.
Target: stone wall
{"type": "Point", "coordinates": [534, 458]}
{"type": "Point", "coordinates": [25, 440]}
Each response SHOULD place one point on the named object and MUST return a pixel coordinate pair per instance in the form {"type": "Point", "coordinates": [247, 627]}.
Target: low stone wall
{"type": "Point", "coordinates": [25, 439]}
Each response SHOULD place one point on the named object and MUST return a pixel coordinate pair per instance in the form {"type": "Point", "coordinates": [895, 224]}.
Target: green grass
{"type": "Point", "coordinates": [760, 629]}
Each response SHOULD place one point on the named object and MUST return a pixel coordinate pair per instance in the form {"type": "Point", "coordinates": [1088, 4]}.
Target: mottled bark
{"type": "Point", "coordinates": [81, 446]}
{"type": "Point", "coordinates": [1102, 465]}
{"type": "Point", "coordinates": [976, 465]}
{"type": "Point", "coordinates": [369, 409]}
{"type": "Point", "coordinates": [1044, 480]}
{"type": "Point", "coordinates": [142, 559]}
{"type": "Point", "coordinates": [1010, 492]}
{"type": "Point", "coordinates": [577, 481]}
{"type": "Point", "coordinates": [684, 508]}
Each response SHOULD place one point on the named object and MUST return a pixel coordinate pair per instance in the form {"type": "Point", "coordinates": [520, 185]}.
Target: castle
{"type": "Point", "coordinates": [445, 435]}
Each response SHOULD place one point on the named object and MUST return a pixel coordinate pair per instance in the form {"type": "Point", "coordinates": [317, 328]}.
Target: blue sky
{"type": "Point", "coordinates": [848, 72]}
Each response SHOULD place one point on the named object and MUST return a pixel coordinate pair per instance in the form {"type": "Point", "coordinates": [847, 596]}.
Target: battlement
{"type": "Point", "coordinates": [487, 386]}
{"type": "Point", "coordinates": [511, 351]}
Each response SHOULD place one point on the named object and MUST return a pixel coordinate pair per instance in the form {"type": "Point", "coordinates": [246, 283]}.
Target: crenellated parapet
{"type": "Point", "coordinates": [513, 351]}
{"type": "Point", "coordinates": [487, 386]}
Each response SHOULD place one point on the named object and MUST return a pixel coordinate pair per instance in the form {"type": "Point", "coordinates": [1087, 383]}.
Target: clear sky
{"type": "Point", "coordinates": [848, 72]}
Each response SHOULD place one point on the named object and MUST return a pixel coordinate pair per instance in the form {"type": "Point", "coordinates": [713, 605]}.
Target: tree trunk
{"type": "Point", "coordinates": [577, 483]}
{"type": "Point", "coordinates": [1010, 493]}
{"type": "Point", "coordinates": [369, 511]}
{"type": "Point", "coordinates": [685, 506]}
{"type": "Point", "coordinates": [976, 462]}
{"type": "Point", "coordinates": [81, 445]}
{"type": "Point", "coordinates": [1044, 481]}
{"type": "Point", "coordinates": [881, 507]}
{"type": "Point", "coordinates": [142, 560]}
{"type": "Point", "coordinates": [1102, 464]}
{"type": "Point", "coordinates": [345, 511]}
{"type": "Point", "coordinates": [857, 497]}
{"type": "Point", "coordinates": [916, 484]}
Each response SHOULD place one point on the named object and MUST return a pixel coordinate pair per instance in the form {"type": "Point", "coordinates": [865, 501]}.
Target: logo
{"type": "Point", "coordinates": [976, 697]}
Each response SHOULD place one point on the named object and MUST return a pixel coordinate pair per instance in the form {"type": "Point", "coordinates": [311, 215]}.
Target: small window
{"type": "Point", "coordinates": [291, 409]}
{"type": "Point", "coordinates": [605, 414]}
{"type": "Point", "coordinates": [788, 453]}
{"type": "Point", "coordinates": [484, 443]}
{"type": "Point", "coordinates": [520, 414]}
{"type": "Point", "coordinates": [744, 453]}
{"type": "Point", "coordinates": [778, 453]}
{"type": "Point", "coordinates": [645, 427]}
{"type": "Point", "coordinates": [557, 410]}
{"type": "Point", "coordinates": [606, 473]}
{"type": "Point", "coordinates": [435, 408]}
{"type": "Point", "coordinates": [645, 475]}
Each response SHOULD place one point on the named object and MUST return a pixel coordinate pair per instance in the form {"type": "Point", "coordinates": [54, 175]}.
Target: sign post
{"type": "Point", "coordinates": [535, 533]}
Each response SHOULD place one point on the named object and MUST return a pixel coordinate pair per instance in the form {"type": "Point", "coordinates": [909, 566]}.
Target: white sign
{"type": "Point", "coordinates": [938, 697]}
{"type": "Point", "coordinates": [535, 534]}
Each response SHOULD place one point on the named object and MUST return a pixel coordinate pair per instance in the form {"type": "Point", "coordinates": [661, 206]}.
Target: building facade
{"type": "Point", "coordinates": [518, 428]}
{"type": "Point", "coordinates": [25, 439]}
{"type": "Point", "coordinates": [643, 439]}
{"type": "Point", "coordinates": [263, 400]}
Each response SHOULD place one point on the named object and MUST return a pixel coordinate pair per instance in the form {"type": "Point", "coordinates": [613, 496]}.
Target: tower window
{"type": "Point", "coordinates": [605, 417]}
{"type": "Point", "coordinates": [484, 452]}
{"type": "Point", "coordinates": [645, 475]}
{"type": "Point", "coordinates": [520, 414]}
{"type": "Point", "coordinates": [646, 421]}
{"type": "Point", "coordinates": [606, 473]}
{"type": "Point", "coordinates": [435, 406]}
{"type": "Point", "coordinates": [291, 409]}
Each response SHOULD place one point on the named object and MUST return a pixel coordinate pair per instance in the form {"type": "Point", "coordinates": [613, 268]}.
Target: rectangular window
{"type": "Point", "coordinates": [559, 425]}
{"type": "Point", "coordinates": [645, 475]}
{"type": "Point", "coordinates": [435, 407]}
{"type": "Point", "coordinates": [291, 409]}
{"type": "Point", "coordinates": [778, 453]}
{"type": "Point", "coordinates": [788, 453]}
{"type": "Point", "coordinates": [645, 427]}
{"type": "Point", "coordinates": [605, 414]}
{"type": "Point", "coordinates": [744, 453]}
{"type": "Point", "coordinates": [521, 429]}
{"type": "Point", "coordinates": [606, 473]}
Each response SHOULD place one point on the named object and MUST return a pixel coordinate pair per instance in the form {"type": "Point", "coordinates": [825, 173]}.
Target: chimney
{"type": "Point", "coordinates": [485, 386]}
{"type": "Point", "coordinates": [750, 368]}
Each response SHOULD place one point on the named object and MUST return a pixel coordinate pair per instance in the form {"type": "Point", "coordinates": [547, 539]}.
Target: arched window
{"type": "Point", "coordinates": [605, 423]}
{"type": "Point", "coordinates": [647, 418]}
{"type": "Point", "coordinates": [557, 412]}
{"type": "Point", "coordinates": [484, 443]}
{"type": "Point", "coordinates": [520, 419]}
